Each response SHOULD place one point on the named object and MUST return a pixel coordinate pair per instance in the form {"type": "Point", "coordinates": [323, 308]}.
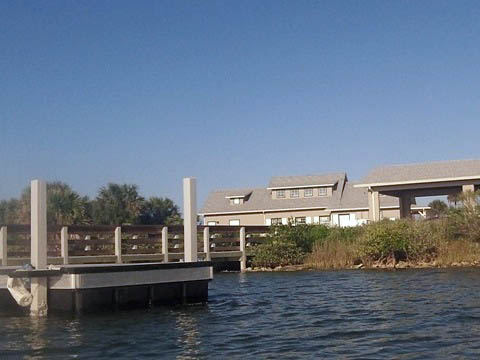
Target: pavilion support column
{"type": "Point", "coordinates": [38, 259]}
{"type": "Point", "coordinates": [373, 205]}
{"type": "Point", "coordinates": [469, 189]}
{"type": "Point", "coordinates": [466, 188]}
{"type": "Point", "coordinates": [405, 206]}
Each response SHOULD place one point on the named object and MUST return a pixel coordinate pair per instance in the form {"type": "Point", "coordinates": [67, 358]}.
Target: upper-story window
{"type": "Point", "coordinates": [300, 220]}
{"type": "Point", "coordinates": [276, 221]}
{"type": "Point", "coordinates": [236, 201]}
{"type": "Point", "coordinates": [294, 193]}
{"type": "Point", "coordinates": [280, 194]}
{"type": "Point", "coordinates": [308, 192]}
{"type": "Point", "coordinates": [322, 191]}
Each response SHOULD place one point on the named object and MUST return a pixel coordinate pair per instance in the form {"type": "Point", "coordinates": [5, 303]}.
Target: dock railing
{"type": "Point", "coordinates": [89, 244]}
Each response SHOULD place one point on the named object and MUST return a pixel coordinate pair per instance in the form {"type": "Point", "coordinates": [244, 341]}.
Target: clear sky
{"type": "Point", "coordinates": [232, 92]}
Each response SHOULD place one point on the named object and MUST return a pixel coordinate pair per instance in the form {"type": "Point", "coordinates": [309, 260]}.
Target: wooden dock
{"type": "Point", "coordinates": [90, 268]}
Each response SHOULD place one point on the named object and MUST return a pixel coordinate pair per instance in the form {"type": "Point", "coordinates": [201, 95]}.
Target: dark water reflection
{"type": "Point", "coordinates": [413, 314]}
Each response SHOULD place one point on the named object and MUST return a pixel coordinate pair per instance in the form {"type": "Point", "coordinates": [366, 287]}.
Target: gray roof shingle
{"type": "Point", "coordinates": [423, 171]}
{"type": "Point", "coordinates": [288, 181]}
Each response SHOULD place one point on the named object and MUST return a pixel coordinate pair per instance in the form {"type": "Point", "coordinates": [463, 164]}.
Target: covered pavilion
{"type": "Point", "coordinates": [416, 180]}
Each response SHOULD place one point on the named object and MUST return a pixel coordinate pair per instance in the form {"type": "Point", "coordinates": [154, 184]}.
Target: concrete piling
{"type": "Point", "coordinates": [39, 306]}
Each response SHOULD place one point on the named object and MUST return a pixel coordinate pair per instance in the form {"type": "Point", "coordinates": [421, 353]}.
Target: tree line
{"type": "Point", "coordinates": [115, 204]}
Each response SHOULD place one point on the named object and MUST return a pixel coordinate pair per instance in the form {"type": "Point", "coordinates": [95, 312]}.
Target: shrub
{"type": "Point", "coordinates": [389, 239]}
{"type": "Point", "coordinates": [277, 253]}
{"type": "Point", "coordinates": [288, 244]}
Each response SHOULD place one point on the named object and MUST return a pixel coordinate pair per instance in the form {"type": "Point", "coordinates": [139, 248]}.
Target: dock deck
{"type": "Point", "coordinates": [85, 288]}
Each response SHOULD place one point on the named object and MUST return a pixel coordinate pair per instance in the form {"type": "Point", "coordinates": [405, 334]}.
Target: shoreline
{"type": "Point", "coordinates": [401, 265]}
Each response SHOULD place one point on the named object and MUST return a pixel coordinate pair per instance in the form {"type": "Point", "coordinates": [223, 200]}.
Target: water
{"type": "Point", "coordinates": [412, 314]}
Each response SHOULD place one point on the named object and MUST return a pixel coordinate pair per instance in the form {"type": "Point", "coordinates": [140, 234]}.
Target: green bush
{"type": "Point", "coordinates": [303, 236]}
{"type": "Point", "coordinates": [388, 238]}
{"type": "Point", "coordinates": [277, 253]}
{"type": "Point", "coordinates": [288, 244]}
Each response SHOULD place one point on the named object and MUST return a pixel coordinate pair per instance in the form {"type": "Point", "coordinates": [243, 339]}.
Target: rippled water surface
{"type": "Point", "coordinates": [412, 314]}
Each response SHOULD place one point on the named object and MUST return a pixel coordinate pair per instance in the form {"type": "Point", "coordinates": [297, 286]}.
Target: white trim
{"type": "Point", "coordinates": [413, 182]}
{"type": "Point", "coordinates": [298, 186]}
{"type": "Point", "coordinates": [235, 196]}
{"type": "Point", "coordinates": [312, 208]}
{"type": "Point", "coordinates": [262, 211]}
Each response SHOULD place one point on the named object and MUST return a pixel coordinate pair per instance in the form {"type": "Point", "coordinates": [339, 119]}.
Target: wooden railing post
{"type": "Point", "coordinates": [3, 245]}
{"type": "Point", "coordinates": [206, 243]}
{"type": "Point", "coordinates": [165, 243]}
{"type": "Point", "coordinates": [118, 244]}
{"type": "Point", "coordinates": [64, 244]}
{"type": "Point", "coordinates": [243, 258]}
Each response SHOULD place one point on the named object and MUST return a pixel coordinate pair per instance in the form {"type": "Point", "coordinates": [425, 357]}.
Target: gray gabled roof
{"type": "Point", "coordinates": [422, 172]}
{"type": "Point", "coordinates": [346, 196]}
{"type": "Point", "coordinates": [307, 180]}
{"type": "Point", "coordinates": [259, 200]}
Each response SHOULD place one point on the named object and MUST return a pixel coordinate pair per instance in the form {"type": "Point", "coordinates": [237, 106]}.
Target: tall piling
{"type": "Point", "coordinates": [38, 190]}
{"type": "Point", "coordinates": [190, 219]}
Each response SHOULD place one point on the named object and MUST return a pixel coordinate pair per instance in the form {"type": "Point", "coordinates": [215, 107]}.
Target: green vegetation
{"type": "Point", "coordinates": [452, 238]}
{"type": "Point", "coordinates": [115, 204]}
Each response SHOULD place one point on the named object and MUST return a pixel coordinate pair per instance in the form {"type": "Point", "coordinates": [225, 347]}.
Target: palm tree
{"type": "Point", "coordinates": [64, 206]}
{"type": "Point", "coordinates": [117, 204]}
{"type": "Point", "coordinates": [160, 211]}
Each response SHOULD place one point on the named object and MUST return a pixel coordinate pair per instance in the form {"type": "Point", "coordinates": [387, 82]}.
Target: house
{"type": "Point", "coordinates": [314, 199]}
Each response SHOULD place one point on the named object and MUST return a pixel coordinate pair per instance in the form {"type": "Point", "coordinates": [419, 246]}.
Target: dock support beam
{"type": "Point", "coordinates": [38, 230]}
{"type": "Point", "coordinates": [373, 205]}
{"type": "Point", "coordinates": [165, 243]}
{"type": "Point", "coordinates": [206, 243]}
{"type": "Point", "coordinates": [190, 219]}
{"type": "Point", "coordinates": [243, 258]}
{"type": "Point", "coordinates": [3, 245]}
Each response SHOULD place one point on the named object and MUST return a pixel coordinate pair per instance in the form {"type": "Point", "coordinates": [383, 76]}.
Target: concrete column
{"type": "Point", "coordinates": [165, 243]}
{"type": "Point", "coordinates": [64, 244]}
{"type": "Point", "coordinates": [243, 248]}
{"type": "Point", "coordinates": [190, 219]}
{"type": "Point", "coordinates": [405, 206]}
{"type": "Point", "coordinates": [3, 245]}
{"type": "Point", "coordinates": [466, 189]}
{"type": "Point", "coordinates": [118, 244]}
{"type": "Point", "coordinates": [373, 205]}
{"type": "Point", "coordinates": [206, 243]}
{"type": "Point", "coordinates": [38, 255]}
{"type": "Point", "coordinates": [470, 187]}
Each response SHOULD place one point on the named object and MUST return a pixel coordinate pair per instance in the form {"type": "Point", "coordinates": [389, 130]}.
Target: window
{"type": "Point", "coordinates": [280, 194]}
{"type": "Point", "coordinates": [211, 223]}
{"type": "Point", "coordinates": [277, 221]}
{"type": "Point", "coordinates": [322, 191]}
{"type": "Point", "coordinates": [236, 201]}
{"type": "Point", "coordinates": [294, 193]}
{"type": "Point", "coordinates": [308, 192]}
{"type": "Point", "coordinates": [324, 220]}
{"type": "Point", "coordinates": [234, 222]}
{"type": "Point", "coordinates": [300, 220]}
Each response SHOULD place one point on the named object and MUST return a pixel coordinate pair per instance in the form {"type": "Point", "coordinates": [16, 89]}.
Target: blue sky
{"type": "Point", "coordinates": [232, 92]}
